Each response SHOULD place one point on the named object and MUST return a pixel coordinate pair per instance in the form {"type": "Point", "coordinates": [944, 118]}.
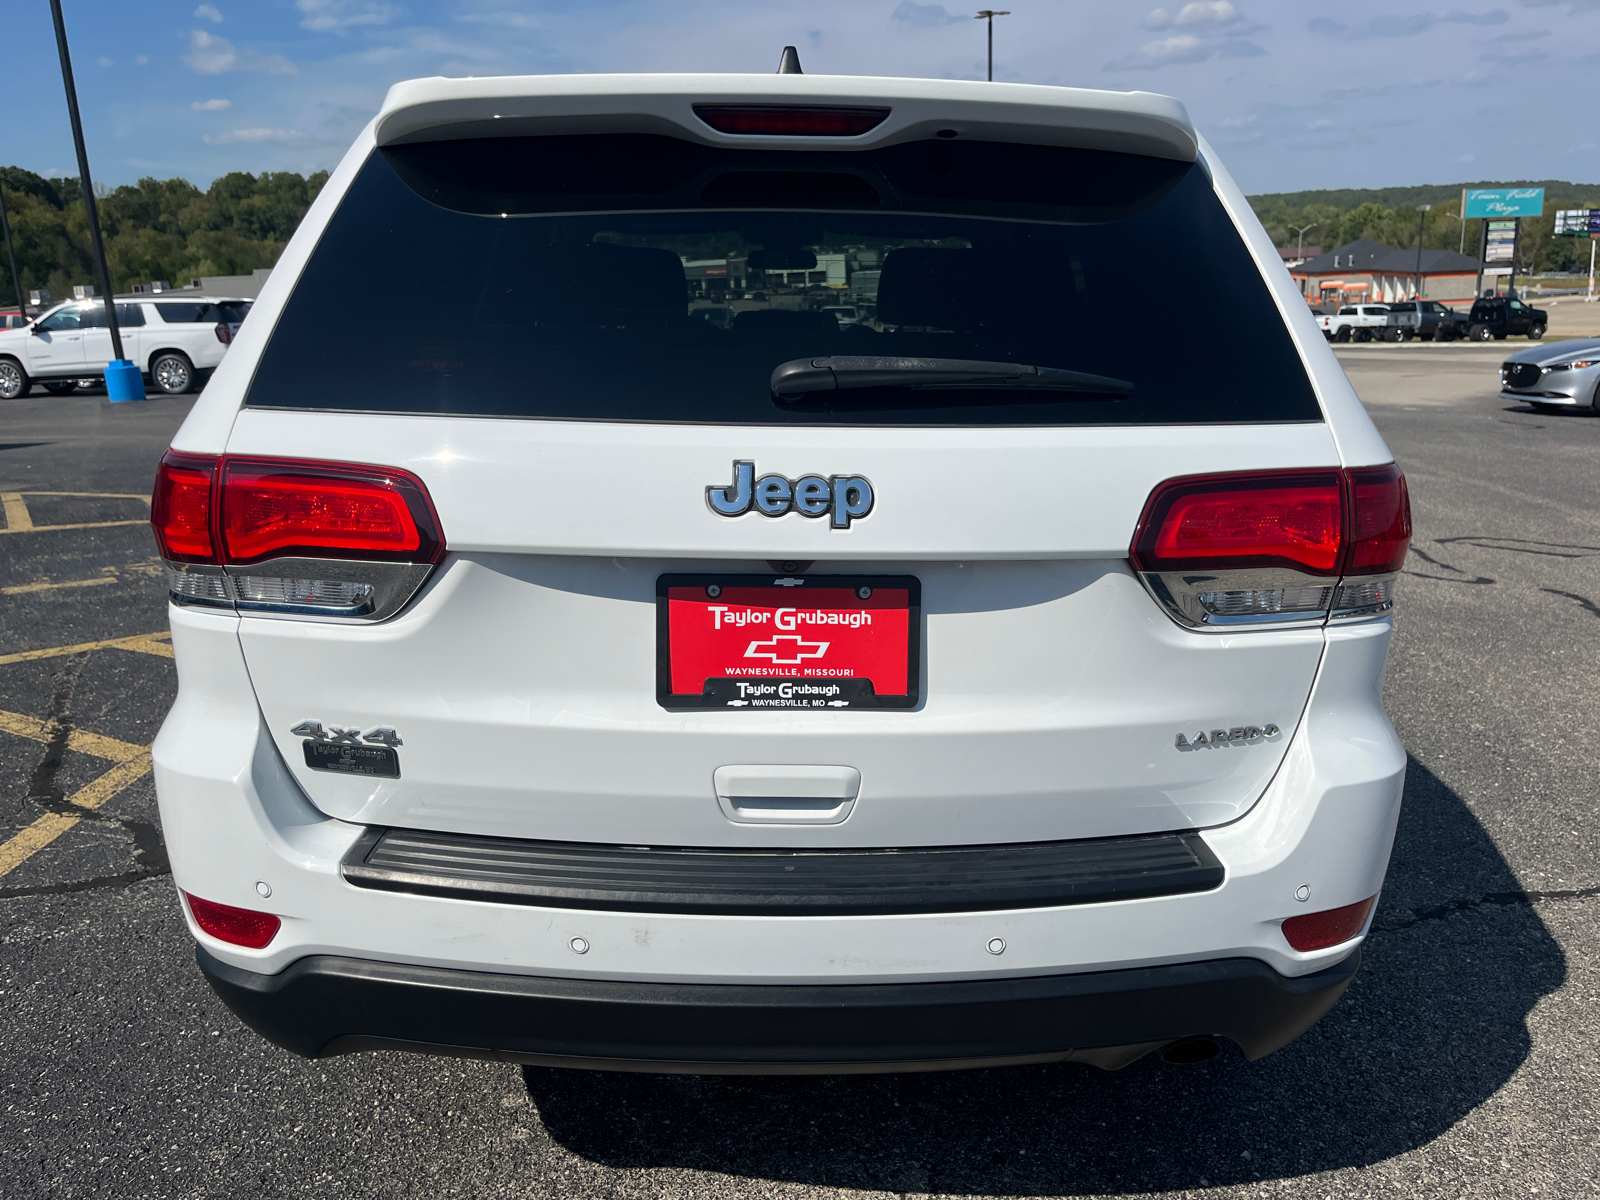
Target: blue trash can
{"type": "Point", "coordinates": [123, 381]}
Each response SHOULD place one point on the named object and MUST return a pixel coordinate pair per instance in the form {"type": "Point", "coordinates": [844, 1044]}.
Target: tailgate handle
{"type": "Point", "coordinates": [786, 795]}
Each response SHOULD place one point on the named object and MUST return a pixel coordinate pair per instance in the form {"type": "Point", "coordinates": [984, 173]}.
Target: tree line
{"type": "Point", "coordinates": [154, 229]}
{"type": "Point", "coordinates": [1389, 215]}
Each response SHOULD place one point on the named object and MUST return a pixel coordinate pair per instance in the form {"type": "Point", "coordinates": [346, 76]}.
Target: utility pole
{"type": "Point", "coordinates": [122, 377]}
{"type": "Point", "coordinates": [989, 14]}
{"type": "Point", "coordinates": [1422, 217]}
{"type": "Point", "coordinates": [11, 255]}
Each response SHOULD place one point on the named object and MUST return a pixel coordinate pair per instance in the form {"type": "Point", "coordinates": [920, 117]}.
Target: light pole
{"type": "Point", "coordinates": [1300, 241]}
{"type": "Point", "coordinates": [989, 14]}
{"type": "Point", "coordinates": [11, 256]}
{"type": "Point", "coordinates": [122, 377]}
{"type": "Point", "coordinates": [1422, 215]}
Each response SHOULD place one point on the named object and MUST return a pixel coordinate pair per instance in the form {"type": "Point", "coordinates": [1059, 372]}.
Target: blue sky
{"type": "Point", "coordinates": [1293, 95]}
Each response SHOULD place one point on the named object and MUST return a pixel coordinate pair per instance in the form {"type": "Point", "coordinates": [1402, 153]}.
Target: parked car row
{"type": "Point", "coordinates": [1491, 318]}
{"type": "Point", "coordinates": [175, 343]}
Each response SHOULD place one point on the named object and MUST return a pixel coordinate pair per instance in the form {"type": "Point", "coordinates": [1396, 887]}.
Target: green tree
{"type": "Point", "coordinates": [154, 229]}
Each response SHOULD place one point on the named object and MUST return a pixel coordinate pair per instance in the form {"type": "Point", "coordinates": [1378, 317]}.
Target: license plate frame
{"type": "Point", "coordinates": [817, 693]}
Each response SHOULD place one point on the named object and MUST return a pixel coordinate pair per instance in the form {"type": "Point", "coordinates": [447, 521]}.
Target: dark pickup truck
{"type": "Point", "coordinates": [1425, 319]}
{"type": "Point", "coordinates": [1495, 317]}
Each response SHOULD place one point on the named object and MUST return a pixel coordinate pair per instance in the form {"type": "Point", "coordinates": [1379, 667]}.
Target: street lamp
{"type": "Point", "coordinates": [1300, 243]}
{"type": "Point", "coordinates": [122, 377]}
{"type": "Point", "coordinates": [989, 14]}
{"type": "Point", "coordinates": [1422, 215]}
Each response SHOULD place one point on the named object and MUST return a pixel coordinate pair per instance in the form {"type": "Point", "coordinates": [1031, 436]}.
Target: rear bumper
{"type": "Point", "coordinates": [325, 1005]}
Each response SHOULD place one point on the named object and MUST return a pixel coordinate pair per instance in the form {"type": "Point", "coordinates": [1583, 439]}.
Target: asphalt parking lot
{"type": "Point", "coordinates": [1463, 1061]}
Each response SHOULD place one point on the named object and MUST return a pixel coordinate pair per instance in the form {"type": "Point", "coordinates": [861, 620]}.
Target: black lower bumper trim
{"type": "Point", "coordinates": [325, 1005]}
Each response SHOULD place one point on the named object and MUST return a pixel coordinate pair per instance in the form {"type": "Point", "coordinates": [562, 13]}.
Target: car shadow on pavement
{"type": "Point", "coordinates": [1431, 1028]}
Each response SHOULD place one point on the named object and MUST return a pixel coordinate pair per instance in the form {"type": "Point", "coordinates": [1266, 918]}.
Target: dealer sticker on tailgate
{"type": "Point", "coordinates": [826, 643]}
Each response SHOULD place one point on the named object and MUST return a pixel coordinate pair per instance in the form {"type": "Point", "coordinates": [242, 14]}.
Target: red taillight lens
{"type": "Point", "coordinates": [180, 509]}
{"type": "Point", "coordinates": [236, 926]}
{"type": "Point", "coordinates": [1264, 519]}
{"type": "Point", "coordinates": [1319, 930]}
{"type": "Point", "coordinates": [224, 334]}
{"type": "Point", "coordinates": [322, 510]}
{"type": "Point", "coordinates": [789, 120]}
{"type": "Point", "coordinates": [1381, 520]}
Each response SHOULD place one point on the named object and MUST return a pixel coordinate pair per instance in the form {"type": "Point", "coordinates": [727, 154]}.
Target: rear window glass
{"type": "Point", "coordinates": [647, 278]}
{"type": "Point", "coordinates": [208, 314]}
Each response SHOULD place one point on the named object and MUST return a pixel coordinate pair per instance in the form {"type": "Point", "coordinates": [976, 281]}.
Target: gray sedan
{"type": "Point", "coordinates": [1562, 375]}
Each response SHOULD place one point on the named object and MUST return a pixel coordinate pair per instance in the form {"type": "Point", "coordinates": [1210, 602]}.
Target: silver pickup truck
{"type": "Point", "coordinates": [1425, 319]}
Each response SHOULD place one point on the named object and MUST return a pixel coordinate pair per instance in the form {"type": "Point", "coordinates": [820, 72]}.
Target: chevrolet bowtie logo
{"type": "Point", "coordinates": [786, 651]}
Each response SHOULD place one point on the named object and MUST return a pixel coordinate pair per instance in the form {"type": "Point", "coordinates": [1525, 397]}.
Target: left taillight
{"type": "Point", "coordinates": [293, 536]}
{"type": "Point", "coordinates": [1274, 547]}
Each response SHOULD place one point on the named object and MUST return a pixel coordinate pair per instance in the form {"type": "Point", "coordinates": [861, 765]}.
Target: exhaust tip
{"type": "Point", "coordinates": [1191, 1051]}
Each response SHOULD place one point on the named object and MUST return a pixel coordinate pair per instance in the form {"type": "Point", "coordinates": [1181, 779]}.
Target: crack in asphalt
{"type": "Point", "coordinates": [44, 789]}
{"type": "Point", "coordinates": [1589, 605]}
{"type": "Point", "coordinates": [1428, 558]}
{"type": "Point", "coordinates": [126, 879]}
{"type": "Point", "coordinates": [1438, 912]}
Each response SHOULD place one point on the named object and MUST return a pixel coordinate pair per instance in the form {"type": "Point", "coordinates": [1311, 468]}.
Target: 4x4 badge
{"type": "Point", "coordinates": [840, 498]}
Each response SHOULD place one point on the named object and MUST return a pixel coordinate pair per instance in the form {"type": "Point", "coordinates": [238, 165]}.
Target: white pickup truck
{"type": "Point", "coordinates": [1354, 322]}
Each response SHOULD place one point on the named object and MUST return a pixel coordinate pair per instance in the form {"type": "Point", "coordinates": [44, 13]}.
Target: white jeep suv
{"type": "Point", "coordinates": [577, 682]}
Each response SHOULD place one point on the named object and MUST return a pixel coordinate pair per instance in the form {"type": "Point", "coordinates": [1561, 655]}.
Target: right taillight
{"type": "Point", "coordinates": [1274, 547]}
{"type": "Point", "coordinates": [293, 536]}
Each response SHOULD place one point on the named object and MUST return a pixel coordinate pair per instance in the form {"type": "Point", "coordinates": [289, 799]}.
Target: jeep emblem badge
{"type": "Point", "coordinates": [840, 498]}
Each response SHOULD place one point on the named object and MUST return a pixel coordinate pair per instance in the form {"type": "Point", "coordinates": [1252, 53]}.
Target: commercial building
{"type": "Point", "coordinates": [1365, 271]}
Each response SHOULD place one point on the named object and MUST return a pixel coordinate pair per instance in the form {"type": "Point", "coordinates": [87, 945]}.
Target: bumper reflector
{"type": "Point", "coordinates": [236, 926]}
{"type": "Point", "coordinates": [1319, 930]}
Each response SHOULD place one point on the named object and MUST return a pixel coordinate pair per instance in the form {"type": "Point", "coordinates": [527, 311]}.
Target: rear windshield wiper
{"type": "Point", "coordinates": [848, 372]}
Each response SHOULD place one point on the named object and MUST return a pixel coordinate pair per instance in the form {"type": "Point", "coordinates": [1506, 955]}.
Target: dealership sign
{"type": "Point", "coordinates": [1505, 202]}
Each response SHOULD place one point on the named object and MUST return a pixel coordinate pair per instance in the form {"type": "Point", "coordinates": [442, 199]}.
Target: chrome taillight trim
{"type": "Point", "coordinates": [1195, 600]}
{"type": "Point", "coordinates": [369, 591]}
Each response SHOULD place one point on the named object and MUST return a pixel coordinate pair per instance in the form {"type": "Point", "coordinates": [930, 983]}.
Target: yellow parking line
{"type": "Point", "coordinates": [144, 643]}
{"type": "Point", "coordinates": [81, 525]}
{"type": "Point", "coordinates": [17, 518]}
{"type": "Point", "coordinates": [24, 589]}
{"type": "Point", "coordinates": [23, 845]}
{"type": "Point", "coordinates": [81, 740]}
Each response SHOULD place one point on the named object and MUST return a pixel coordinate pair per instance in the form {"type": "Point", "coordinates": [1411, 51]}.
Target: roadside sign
{"type": "Point", "coordinates": [1578, 222]}
{"type": "Point", "coordinates": [1505, 202]}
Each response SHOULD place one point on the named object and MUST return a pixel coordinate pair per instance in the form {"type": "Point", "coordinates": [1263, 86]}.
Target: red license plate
{"type": "Point", "coordinates": [823, 643]}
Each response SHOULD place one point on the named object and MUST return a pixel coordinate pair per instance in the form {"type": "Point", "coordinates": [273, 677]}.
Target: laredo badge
{"type": "Point", "coordinates": [349, 751]}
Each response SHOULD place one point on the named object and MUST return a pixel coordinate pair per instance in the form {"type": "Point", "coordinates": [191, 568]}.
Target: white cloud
{"type": "Point", "coordinates": [1183, 48]}
{"type": "Point", "coordinates": [210, 12]}
{"type": "Point", "coordinates": [212, 55]}
{"type": "Point", "coordinates": [331, 16]}
{"type": "Point", "coordinates": [255, 135]}
{"type": "Point", "coordinates": [211, 105]}
{"type": "Point", "coordinates": [142, 59]}
{"type": "Point", "coordinates": [1197, 12]}
{"type": "Point", "coordinates": [104, 62]}
{"type": "Point", "coordinates": [925, 16]}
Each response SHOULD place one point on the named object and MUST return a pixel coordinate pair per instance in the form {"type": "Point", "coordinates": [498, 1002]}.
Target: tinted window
{"type": "Point", "coordinates": [561, 264]}
{"type": "Point", "coordinates": [128, 316]}
{"type": "Point", "coordinates": [1401, 308]}
{"type": "Point", "coordinates": [179, 314]}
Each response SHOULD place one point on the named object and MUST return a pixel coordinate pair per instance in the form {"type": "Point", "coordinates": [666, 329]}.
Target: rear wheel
{"type": "Point", "coordinates": [1343, 335]}
{"type": "Point", "coordinates": [1480, 333]}
{"type": "Point", "coordinates": [14, 380]}
{"type": "Point", "coordinates": [1363, 335]}
{"type": "Point", "coordinates": [172, 373]}
{"type": "Point", "coordinates": [1535, 332]}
